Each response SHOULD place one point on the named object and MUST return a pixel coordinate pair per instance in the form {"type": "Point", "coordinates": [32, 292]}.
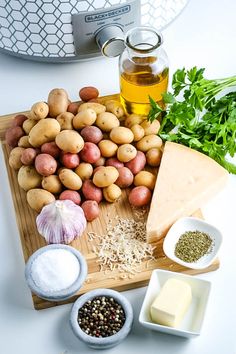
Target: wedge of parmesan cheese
{"type": "Point", "coordinates": [187, 180]}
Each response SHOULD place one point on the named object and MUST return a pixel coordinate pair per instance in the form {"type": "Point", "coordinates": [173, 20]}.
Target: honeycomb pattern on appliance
{"type": "Point", "coordinates": [43, 28]}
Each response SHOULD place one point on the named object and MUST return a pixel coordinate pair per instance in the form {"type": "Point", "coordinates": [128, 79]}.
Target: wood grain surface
{"type": "Point", "coordinates": [32, 241]}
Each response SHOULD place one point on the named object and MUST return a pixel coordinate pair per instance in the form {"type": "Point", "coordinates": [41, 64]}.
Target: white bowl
{"type": "Point", "coordinates": [193, 319]}
{"type": "Point", "coordinates": [192, 224]}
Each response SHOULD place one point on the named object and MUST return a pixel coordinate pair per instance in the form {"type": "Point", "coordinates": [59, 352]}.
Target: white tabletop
{"type": "Point", "coordinates": [204, 35]}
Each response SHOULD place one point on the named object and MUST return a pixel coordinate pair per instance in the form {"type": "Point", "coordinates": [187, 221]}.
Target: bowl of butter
{"type": "Point", "coordinates": [175, 303]}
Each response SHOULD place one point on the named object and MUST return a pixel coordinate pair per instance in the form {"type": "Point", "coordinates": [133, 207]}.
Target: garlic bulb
{"type": "Point", "coordinates": [61, 222]}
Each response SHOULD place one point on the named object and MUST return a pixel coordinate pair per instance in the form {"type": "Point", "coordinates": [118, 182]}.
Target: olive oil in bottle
{"type": "Point", "coordinates": [143, 70]}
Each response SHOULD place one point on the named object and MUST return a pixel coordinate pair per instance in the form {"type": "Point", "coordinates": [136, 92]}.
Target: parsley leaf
{"type": "Point", "coordinates": [155, 110]}
{"type": "Point", "coordinates": [168, 97]}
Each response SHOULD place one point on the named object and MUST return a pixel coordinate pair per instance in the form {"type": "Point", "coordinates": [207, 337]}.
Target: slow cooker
{"type": "Point", "coordinates": [67, 30]}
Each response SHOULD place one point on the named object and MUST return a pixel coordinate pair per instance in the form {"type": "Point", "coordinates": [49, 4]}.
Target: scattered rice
{"type": "Point", "coordinates": [123, 248]}
{"type": "Point", "coordinates": [91, 236]}
{"type": "Point", "coordinates": [139, 213]}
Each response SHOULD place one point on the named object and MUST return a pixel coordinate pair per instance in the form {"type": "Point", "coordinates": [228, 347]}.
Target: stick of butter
{"type": "Point", "coordinates": [172, 303]}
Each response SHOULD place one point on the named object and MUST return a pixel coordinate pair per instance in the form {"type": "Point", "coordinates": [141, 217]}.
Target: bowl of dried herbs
{"type": "Point", "coordinates": [192, 242]}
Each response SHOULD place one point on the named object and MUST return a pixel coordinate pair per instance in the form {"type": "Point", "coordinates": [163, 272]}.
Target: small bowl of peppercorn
{"type": "Point", "coordinates": [192, 242]}
{"type": "Point", "coordinates": [101, 318]}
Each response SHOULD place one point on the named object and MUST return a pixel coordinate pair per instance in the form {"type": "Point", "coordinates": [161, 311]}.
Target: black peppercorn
{"type": "Point", "coordinates": [101, 317]}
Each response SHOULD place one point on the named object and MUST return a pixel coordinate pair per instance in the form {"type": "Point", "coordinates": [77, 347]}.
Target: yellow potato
{"type": "Point", "coordinates": [97, 107]}
{"type": "Point", "coordinates": [121, 135]}
{"type": "Point", "coordinates": [106, 121]}
{"type": "Point", "coordinates": [65, 120]}
{"type": "Point", "coordinates": [15, 158]}
{"type": "Point", "coordinates": [150, 128]}
{"type": "Point", "coordinates": [44, 131]}
{"type": "Point", "coordinates": [28, 125]}
{"type": "Point", "coordinates": [153, 157]}
{"type": "Point", "coordinates": [38, 198]}
{"type": "Point", "coordinates": [138, 132]}
{"type": "Point", "coordinates": [84, 118]}
{"type": "Point", "coordinates": [133, 119]}
{"type": "Point", "coordinates": [112, 193]}
{"type": "Point", "coordinates": [107, 148]}
{"type": "Point", "coordinates": [105, 176]}
{"type": "Point", "coordinates": [58, 102]}
{"type": "Point", "coordinates": [100, 162]}
{"type": "Point", "coordinates": [39, 110]}
{"type": "Point", "coordinates": [84, 170]}
{"type": "Point", "coordinates": [126, 152]}
{"type": "Point", "coordinates": [145, 178]}
{"type": "Point", "coordinates": [148, 142]}
{"type": "Point", "coordinates": [52, 184]}
{"type": "Point", "coordinates": [24, 142]}
{"type": "Point", "coordinates": [69, 141]}
{"type": "Point", "coordinates": [116, 108]}
{"type": "Point", "coordinates": [28, 178]}
{"type": "Point", "coordinates": [70, 179]}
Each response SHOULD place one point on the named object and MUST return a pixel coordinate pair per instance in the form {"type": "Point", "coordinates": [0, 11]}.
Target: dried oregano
{"type": "Point", "coordinates": [193, 245]}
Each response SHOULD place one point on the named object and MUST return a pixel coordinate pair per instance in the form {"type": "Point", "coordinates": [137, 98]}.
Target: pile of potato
{"type": "Point", "coordinates": [84, 152]}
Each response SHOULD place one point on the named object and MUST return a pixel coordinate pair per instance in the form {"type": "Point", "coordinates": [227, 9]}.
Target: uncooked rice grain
{"type": "Point", "coordinates": [123, 247]}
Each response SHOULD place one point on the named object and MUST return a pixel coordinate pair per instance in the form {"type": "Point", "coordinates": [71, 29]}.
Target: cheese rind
{"type": "Point", "coordinates": [172, 303]}
{"type": "Point", "coordinates": [187, 180]}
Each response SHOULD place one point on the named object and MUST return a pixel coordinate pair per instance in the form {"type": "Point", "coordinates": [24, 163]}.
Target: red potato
{"type": "Point", "coordinates": [125, 178]}
{"type": "Point", "coordinates": [91, 134]}
{"type": "Point", "coordinates": [18, 120]}
{"type": "Point", "coordinates": [28, 156]}
{"type": "Point", "coordinates": [91, 209]}
{"type": "Point", "coordinates": [88, 93]}
{"type": "Point", "coordinates": [51, 149]}
{"type": "Point", "coordinates": [70, 195]}
{"type": "Point", "coordinates": [140, 196]}
{"type": "Point", "coordinates": [69, 160]}
{"type": "Point", "coordinates": [73, 108]}
{"type": "Point", "coordinates": [13, 135]}
{"type": "Point", "coordinates": [91, 192]}
{"type": "Point", "coordinates": [113, 161]}
{"type": "Point", "coordinates": [95, 100]}
{"type": "Point", "coordinates": [45, 164]}
{"type": "Point", "coordinates": [90, 153]}
{"type": "Point", "coordinates": [137, 164]}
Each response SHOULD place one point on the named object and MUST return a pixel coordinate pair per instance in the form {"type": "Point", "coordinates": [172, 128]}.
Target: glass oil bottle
{"type": "Point", "coordinates": [144, 70]}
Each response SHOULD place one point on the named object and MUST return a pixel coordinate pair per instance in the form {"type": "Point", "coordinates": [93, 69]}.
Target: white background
{"type": "Point", "coordinates": [204, 35]}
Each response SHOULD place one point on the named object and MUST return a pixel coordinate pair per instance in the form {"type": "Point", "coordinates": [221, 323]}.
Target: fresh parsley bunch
{"type": "Point", "coordinates": [200, 120]}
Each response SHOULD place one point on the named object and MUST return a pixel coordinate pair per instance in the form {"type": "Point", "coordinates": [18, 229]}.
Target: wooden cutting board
{"type": "Point", "coordinates": [32, 241]}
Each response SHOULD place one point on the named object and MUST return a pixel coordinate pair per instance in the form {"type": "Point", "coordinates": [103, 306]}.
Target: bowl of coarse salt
{"type": "Point", "coordinates": [55, 272]}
